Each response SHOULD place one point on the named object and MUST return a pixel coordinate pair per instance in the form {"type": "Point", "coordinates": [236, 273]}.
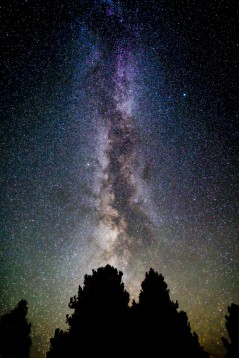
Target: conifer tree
{"type": "Point", "coordinates": [15, 332]}
{"type": "Point", "coordinates": [232, 326]}
{"type": "Point", "coordinates": [99, 317]}
{"type": "Point", "coordinates": [163, 328]}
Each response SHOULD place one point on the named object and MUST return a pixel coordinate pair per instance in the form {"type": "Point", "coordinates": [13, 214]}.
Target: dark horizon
{"type": "Point", "coordinates": [103, 318]}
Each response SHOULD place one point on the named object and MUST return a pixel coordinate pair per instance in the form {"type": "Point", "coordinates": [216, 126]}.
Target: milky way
{"type": "Point", "coordinates": [120, 145]}
{"type": "Point", "coordinates": [118, 209]}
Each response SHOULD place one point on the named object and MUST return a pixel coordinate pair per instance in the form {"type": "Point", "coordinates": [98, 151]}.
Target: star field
{"type": "Point", "coordinates": [119, 141]}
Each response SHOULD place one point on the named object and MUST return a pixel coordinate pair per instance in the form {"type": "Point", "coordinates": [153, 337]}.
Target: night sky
{"type": "Point", "coordinates": [119, 144]}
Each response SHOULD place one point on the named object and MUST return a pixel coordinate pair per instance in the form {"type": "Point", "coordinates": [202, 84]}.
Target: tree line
{"type": "Point", "coordinates": [104, 324]}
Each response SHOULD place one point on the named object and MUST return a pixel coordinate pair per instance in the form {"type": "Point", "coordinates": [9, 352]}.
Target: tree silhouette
{"type": "Point", "coordinates": [104, 325]}
{"type": "Point", "coordinates": [160, 327]}
{"type": "Point", "coordinates": [100, 312]}
{"type": "Point", "coordinates": [15, 341]}
{"type": "Point", "coordinates": [232, 326]}
{"type": "Point", "coordinates": [60, 345]}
